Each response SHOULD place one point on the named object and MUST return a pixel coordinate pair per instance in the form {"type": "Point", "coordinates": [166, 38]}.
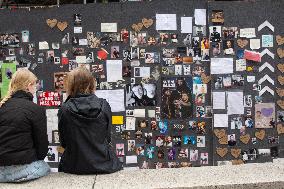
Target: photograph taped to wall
{"type": "Point", "coordinates": [141, 95]}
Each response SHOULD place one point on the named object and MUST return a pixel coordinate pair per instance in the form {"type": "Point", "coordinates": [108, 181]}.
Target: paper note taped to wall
{"type": "Point", "coordinates": [220, 120]}
{"type": "Point", "coordinates": [200, 17]}
{"type": "Point", "coordinates": [115, 98]}
{"type": "Point", "coordinates": [166, 22]}
{"type": "Point", "coordinates": [43, 45]}
{"type": "Point", "coordinates": [222, 65]}
{"type": "Point", "coordinates": [108, 27]}
{"type": "Point", "coordinates": [219, 100]}
{"type": "Point", "coordinates": [114, 70]}
{"type": "Point", "coordinates": [186, 24]}
{"type": "Point", "coordinates": [117, 120]}
{"type": "Point", "coordinates": [247, 32]}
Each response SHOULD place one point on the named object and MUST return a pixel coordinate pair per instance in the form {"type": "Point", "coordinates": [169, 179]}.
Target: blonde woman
{"type": "Point", "coordinates": [23, 135]}
{"type": "Point", "coordinates": [84, 123]}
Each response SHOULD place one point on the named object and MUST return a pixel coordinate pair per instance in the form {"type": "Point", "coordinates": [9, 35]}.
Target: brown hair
{"type": "Point", "coordinates": [20, 81]}
{"type": "Point", "coordinates": [80, 81]}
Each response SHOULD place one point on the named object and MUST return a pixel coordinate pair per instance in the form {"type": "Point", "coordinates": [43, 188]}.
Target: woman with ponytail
{"type": "Point", "coordinates": [23, 131]}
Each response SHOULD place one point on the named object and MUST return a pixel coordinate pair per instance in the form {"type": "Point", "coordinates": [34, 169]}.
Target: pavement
{"type": "Point", "coordinates": [248, 176]}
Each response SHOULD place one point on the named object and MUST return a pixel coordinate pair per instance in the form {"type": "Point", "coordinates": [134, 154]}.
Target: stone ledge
{"type": "Point", "coordinates": [249, 176]}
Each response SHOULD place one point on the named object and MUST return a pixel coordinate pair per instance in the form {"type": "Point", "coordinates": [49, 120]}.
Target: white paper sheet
{"type": "Point", "coordinates": [250, 78]}
{"type": "Point", "coordinates": [115, 98]}
{"type": "Point", "coordinates": [222, 65]}
{"type": "Point", "coordinates": [78, 29]}
{"type": "Point", "coordinates": [114, 70]}
{"type": "Point", "coordinates": [108, 27]}
{"type": "Point", "coordinates": [43, 45]}
{"type": "Point", "coordinates": [130, 123]}
{"type": "Point", "coordinates": [81, 59]}
{"type": "Point", "coordinates": [142, 72]}
{"type": "Point", "coordinates": [200, 17]}
{"type": "Point", "coordinates": [52, 122]}
{"type": "Point", "coordinates": [131, 159]}
{"type": "Point", "coordinates": [235, 102]}
{"type": "Point", "coordinates": [166, 22]}
{"type": "Point", "coordinates": [186, 24]}
{"type": "Point", "coordinates": [254, 43]}
{"type": "Point", "coordinates": [220, 120]}
{"type": "Point", "coordinates": [247, 32]}
{"type": "Point", "coordinates": [151, 113]}
{"type": "Point", "coordinates": [139, 113]}
{"type": "Point", "coordinates": [219, 100]}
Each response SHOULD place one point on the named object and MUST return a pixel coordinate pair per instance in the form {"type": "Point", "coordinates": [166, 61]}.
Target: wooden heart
{"type": "Point", "coordinates": [137, 27]}
{"type": "Point", "coordinates": [205, 79]}
{"type": "Point", "coordinates": [279, 40]}
{"type": "Point", "coordinates": [242, 42]}
{"type": "Point", "coordinates": [280, 128]}
{"type": "Point", "coordinates": [223, 140]}
{"type": "Point", "coordinates": [219, 133]}
{"type": "Point", "coordinates": [245, 138]}
{"type": "Point", "coordinates": [280, 52]}
{"type": "Point", "coordinates": [222, 151]}
{"type": "Point", "coordinates": [147, 22]}
{"type": "Point", "coordinates": [237, 162]}
{"type": "Point", "coordinates": [235, 152]}
{"type": "Point", "coordinates": [280, 67]}
{"type": "Point", "coordinates": [280, 103]}
{"type": "Point", "coordinates": [280, 92]}
{"type": "Point", "coordinates": [62, 25]}
{"type": "Point", "coordinates": [51, 22]}
{"type": "Point", "coordinates": [260, 134]}
{"type": "Point", "coordinates": [281, 79]}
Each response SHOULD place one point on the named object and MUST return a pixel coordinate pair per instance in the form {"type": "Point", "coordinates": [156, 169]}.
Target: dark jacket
{"type": "Point", "coordinates": [23, 134]}
{"type": "Point", "coordinates": [84, 124]}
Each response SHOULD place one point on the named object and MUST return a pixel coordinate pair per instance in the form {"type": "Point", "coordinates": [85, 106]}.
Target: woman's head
{"type": "Point", "coordinates": [80, 81]}
{"type": "Point", "coordinates": [22, 80]}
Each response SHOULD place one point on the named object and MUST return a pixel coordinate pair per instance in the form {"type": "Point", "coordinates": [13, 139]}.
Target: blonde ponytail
{"type": "Point", "coordinates": [20, 81]}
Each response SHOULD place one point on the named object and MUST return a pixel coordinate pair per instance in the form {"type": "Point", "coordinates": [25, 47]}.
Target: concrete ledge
{"type": "Point", "coordinates": [267, 175]}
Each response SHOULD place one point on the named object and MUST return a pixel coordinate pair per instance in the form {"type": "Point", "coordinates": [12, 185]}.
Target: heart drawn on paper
{"type": "Point", "coordinates": [222, 151]}
{"type": "Point", "coordinates": [237, 162]}
{"type": "Point", "coordinates": [62, 25]}
{"type": "Point", "coordinates": [280, 92]}
{"type": "Point", "coordinates": [266, 112]}
{"type": "Point", "coordinates": [205, 79]}
{"type": "Point", "coordinates": [280, 52]}
{"type": "Point", "coordinates": [223, 140]}
{"type": "Point", "coordinates": [242, 42]}
{"type": "Point", "coordinates": [260, 134]}
{"type": "Point", "coordinates": [281, 80]}
{"type": "Point", "coordinates": [235, 152]}
{"type": "Point", "coordinates": [137, 27]}
{"type": "Point", "coordinates": [147, 22]}
{"type": "Point", "coordinates": [219, 133]}
{"type": "Point", "coordinates": [245, 138]}
{"type": "Point", "coordinates": [281, 103]}
{"type": "Point", "coordinates": [51, 22]}
{"type": "Point", "coordinates": [280, 128]}
{"type": "Point", "coordinates": [280, 67]}
{"type": "Point", "coordinates": [279, 40]}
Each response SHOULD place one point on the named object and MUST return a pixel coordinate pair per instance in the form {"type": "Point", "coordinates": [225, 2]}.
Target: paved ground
{"type": "Point", "coordinates": [268, 175]}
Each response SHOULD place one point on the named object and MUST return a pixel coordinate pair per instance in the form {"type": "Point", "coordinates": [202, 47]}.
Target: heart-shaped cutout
{"type": "Point", "coordinates": [280, 92]}
{"type": "Point", "coordinates": [147, 22]}
{"type": "Point", "coordinates": [60, 149]}
{"type": "Point", "coordinates": [235, 152]}
{"type": "Point", "coordinates": [62, 25]}
{"type": "Point", "coordinates": [280, 128]}
{"type": "Point", "coordinates": [281, 80]}
{"type": "Point", "coordinates": [281, 103]}
{"type": "Point", "coordinates": [237, 162]}
{"type": "Point", "coordinates": [279, 40]}
{"type": "Point", "coordinates": [280, 67]}
{"type": "Point", "coordinates": [51, 22]}
{"type": "Point", "coordinates": [242, 42]}
{"type": "Point", "coordinates": [137, 27]}
{"type": "Point", "coordinates": [205, 79]}
{"type": "Point", "coordinates": [222, 151]}
{"type": "Point", "coordinates": [245, 138]}
{"type": "Point", "coordinates": [223, 140]}
{"type": "Point", "coordinates": [280, 52]}
{"type": "Point", "coordinates": [219, 133]}
{"type": "Point", "coordinates": [260, 134]}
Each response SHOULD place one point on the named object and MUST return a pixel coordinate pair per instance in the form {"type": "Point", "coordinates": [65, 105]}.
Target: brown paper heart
{"type": "Point", "coordinates": [281, 79]}
{"type": "Point", "coordinates": [279, 40]}
{"type": "Point", "coordinates": [62, 25]}
{"type": "Point", "coordinates": [60, 149]}
{"type": "Point", "coordinates": [237, 162]}
{"type": "Point", "coordinates": [242, 42]}
{"type": "Point", "coordinates": [219, 133]}
{"type": "Point", "coordinates": [245, 138]}
{"type": "Point", "coordinates": [280, 52]}
{"type": "Point", "coordinates": [260, 134]}
{"type": "Point", "coordinates": [223, 140]}
{"type": "Point", "coordinates": [235, 152]}
{"type": "Point", "coordinates": [222, 151]}
{"type": "Point", "coordinates": [280, 67]}
{"type": "Point", "coordinates": [205, 79]}
{"type": "Point", "coordinates": [281, 103]}
{"type": "Point", "coordinates": [137, 27]}
{"type": "Point", "coordinates": [280, 92]}
{"type": "Point", "coordinates": [147, 22]}
{"type": "Point", "coordinates": [280, 128]}
{"type": "Point", "coordinates": [51, 22]}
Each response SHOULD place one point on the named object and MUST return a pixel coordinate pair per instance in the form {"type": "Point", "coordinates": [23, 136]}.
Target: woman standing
{"type": "Point", "coordinates": [85, 128]}
{"type": "Point", "coordinates": [23, 132]}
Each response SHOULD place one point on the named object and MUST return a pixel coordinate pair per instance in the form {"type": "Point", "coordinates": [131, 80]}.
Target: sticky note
{"type": "Point", "coordinates": [117, 120]}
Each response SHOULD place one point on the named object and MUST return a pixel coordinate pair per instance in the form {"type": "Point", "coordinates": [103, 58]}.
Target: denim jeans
{"type": "Point", "coordinates": [22, 173]}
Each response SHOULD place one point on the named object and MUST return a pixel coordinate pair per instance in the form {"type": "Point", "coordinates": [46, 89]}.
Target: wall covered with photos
{"type": "Point", "coordinates": [153, 67]}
